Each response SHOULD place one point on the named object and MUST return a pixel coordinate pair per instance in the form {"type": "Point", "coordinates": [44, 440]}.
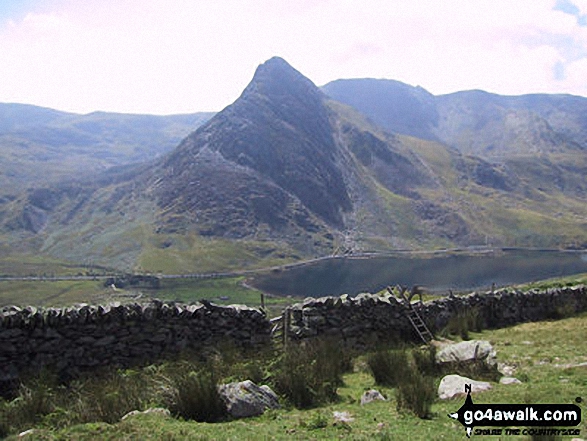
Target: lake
{"type": "Point", "coordinates": [438, 273]}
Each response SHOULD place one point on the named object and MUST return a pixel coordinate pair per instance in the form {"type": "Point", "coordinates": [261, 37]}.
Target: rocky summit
{"type": "Point", "coordinates": [287, 172]}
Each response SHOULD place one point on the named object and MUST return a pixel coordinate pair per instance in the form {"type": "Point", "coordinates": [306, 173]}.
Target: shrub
{"type": "Point", "coordinates": [463, 322]}
{"type": "Point", "coordinates": [318, 421]}
{"type": "Point", "coordinates": [107, 396]}
{"type": "Point", "coordinates": [35, 399]}
{"type": "Point", "coordinates": [425, 361]}
{"type": "Point", "coordinates": [388, 367]}
{"type": "Point", "coordinates": [193, 395]}
{"type": "Point", "coordinates": [416, 393]}
{"type": "Point", "coordinates": [309, 373]}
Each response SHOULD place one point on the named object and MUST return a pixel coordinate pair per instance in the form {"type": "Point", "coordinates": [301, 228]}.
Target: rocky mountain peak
{"type": "Point", "coordinates": [278, 131]}
{"type": "Point", "coordinates": [276, 79]}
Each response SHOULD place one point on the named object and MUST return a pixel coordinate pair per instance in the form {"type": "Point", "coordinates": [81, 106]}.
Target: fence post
{"type": "Point", "coordinates": [286, 323]}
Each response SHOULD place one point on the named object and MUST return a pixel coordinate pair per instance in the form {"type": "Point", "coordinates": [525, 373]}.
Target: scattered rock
{"type": "Point", "coordinates": [506, 369]}
{"type": "Point", "coordinates": [342, 417]}
{"type": "Point", "coordinates": [509, 380]}
{"type": "Point", "coordinates": [370, 396]}
{"type": "Point", "coordinates": [571, 365]}
{"type": "Point", "coordinates": [468, 351]}
{"type": "Point", "coordinates": [454, 385]}
{"type": "Point", "coordinates": [151, 411]}
{"type": "Point", "coordinates": [245, 399]}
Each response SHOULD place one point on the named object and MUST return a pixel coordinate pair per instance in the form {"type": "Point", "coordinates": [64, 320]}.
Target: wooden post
{"type": "Point", "coordinates": [263, 301]}
{"type": "Point", "coordinates": [286, 320]}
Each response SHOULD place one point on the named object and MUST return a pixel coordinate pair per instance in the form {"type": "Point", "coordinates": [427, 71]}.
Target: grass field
{"type": "Point", "coordinates": [542, 353]}
{"type": "Point", "coordinates": [222, 291]}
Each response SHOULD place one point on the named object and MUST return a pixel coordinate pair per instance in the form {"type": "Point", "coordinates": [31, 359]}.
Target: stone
{"type": "Point", "coordinates": [370, 396]}
{"type": "Point", "coordinates": [342, 417]}
{"type": "Point", "coordinates": [454, 385]}
{"type": "Point", "coordinates": [151, 411]}
{"type": "Point", "coordinates": [245, 399]}
{"type": "Point", "coordinates": [509, 380]}
{"type": "Point", "coordinates": [506, 369]}
{"type": "Point", "coordinates": [468, 351]}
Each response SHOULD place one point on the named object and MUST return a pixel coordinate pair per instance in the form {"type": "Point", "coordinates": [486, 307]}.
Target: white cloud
{"type": "Point", "coordinates": [183, 56]}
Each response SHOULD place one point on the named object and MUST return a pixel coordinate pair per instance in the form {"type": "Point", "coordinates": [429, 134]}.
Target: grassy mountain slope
{"type": "Point", "coordinates": [63, 144]}
{"type": "Point", "coordinates": [286, 173]}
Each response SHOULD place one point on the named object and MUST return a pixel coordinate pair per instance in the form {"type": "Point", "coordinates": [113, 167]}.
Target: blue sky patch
{"type": "Point", "coordinates": [570, 8]}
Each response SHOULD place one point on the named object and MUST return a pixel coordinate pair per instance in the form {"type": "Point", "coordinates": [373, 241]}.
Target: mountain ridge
{"type": "Point", "coordinates": [286, 173]}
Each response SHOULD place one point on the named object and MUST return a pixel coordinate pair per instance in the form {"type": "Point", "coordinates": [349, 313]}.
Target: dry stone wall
{"type": "Point", "coordinates": [84, 337]}
{"type": "Point", "coordinates": [367, 319]}
{"type": "Point", "coordinates": [74, 339]}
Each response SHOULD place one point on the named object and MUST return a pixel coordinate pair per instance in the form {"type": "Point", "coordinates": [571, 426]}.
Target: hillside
{"type": "Point", "coordinates": [475, 122]}
{"type": "Point", "coordinates": [64, 145]}
{"type": "Point", "coordinates": [286, 173]}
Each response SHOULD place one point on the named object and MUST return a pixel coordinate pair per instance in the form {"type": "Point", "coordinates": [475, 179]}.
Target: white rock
{"type": "Point", "coordinates": [151, 411]}
{"type": "Point", "coordinates": [468, 351]}
{"type": "Point", "coordinates": [509, 380]}
{"type": "Point", "coordinates": [342, 417]}
{"type": "Point", "coordinates": [506, 369]}
{"type": "Point", "coordinates": [370, 396]}
{"type": "Point", "coordinates": [245, 399]}
{"type": "Point", "coordinates": [454, 385]}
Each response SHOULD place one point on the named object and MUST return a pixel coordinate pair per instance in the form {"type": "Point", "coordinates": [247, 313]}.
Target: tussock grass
{"type": "Point", "coordinates": [310, 372]}
{"type": "Point", "coordinates": [462, 323]}
{"type": "Point", "coordinates": [543, 354]}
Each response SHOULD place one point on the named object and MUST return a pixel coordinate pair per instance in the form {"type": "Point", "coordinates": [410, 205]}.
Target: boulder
{"type": "Point", "coordinates": [454, 385]}
{"type": "Point", "coordinates": [473, 351]}
{"type": "Point", "coordinates": [509, 380]}
{"type": "Point", "coordinates": [370, 396]}
{"type": "Point", "coordinates": [245, 399]}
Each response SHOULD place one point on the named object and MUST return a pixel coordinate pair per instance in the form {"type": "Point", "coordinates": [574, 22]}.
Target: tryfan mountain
{"type": "Point", "coordinates": [287, 172]}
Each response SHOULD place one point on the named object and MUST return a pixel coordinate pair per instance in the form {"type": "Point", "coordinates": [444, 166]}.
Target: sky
{"type": "Point", "coordinates": [184, 56]}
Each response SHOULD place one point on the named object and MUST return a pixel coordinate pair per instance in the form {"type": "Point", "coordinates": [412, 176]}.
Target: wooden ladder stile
{"type": "Point", "coordinates": [418, 324]}
{"type": "Point", "coordinates": [277, 328]}
{"type": "Point", "coordinates": [410, 312]}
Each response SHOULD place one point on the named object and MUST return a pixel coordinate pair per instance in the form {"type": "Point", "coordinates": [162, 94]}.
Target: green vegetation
{"type": "Point", "coordinates": [55, 293]}
{"type": "Point", "coordinates": [388, 367]}
{"type": "Point", "coordinates": [556, 282]}
{"type": "Point", "coordinates": [223, 291]}
{"type": "Point", "coordinates": [309, 373]}
{"type": "Point", "coordinates": [462, 323]}
{"type": "Point", "coordinates": [23, 265]}
{"type": "Point", "coordinates": [546, 355]}
{"type": "Point", "coordinates": [176, 254]}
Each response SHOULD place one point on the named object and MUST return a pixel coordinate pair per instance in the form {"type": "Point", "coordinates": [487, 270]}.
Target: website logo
{"type": "Point", "coordinates": [503, 415]}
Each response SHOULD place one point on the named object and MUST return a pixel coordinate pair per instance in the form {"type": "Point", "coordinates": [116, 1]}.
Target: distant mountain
{"type": "Point", "coordinates": [286, 172]}
{"type": "Point", "coordinates": [65, 145]}
{"type": "Point", "coordinates": [392, 105]}
{"type": "Point", "coordinates": [475, 122]}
